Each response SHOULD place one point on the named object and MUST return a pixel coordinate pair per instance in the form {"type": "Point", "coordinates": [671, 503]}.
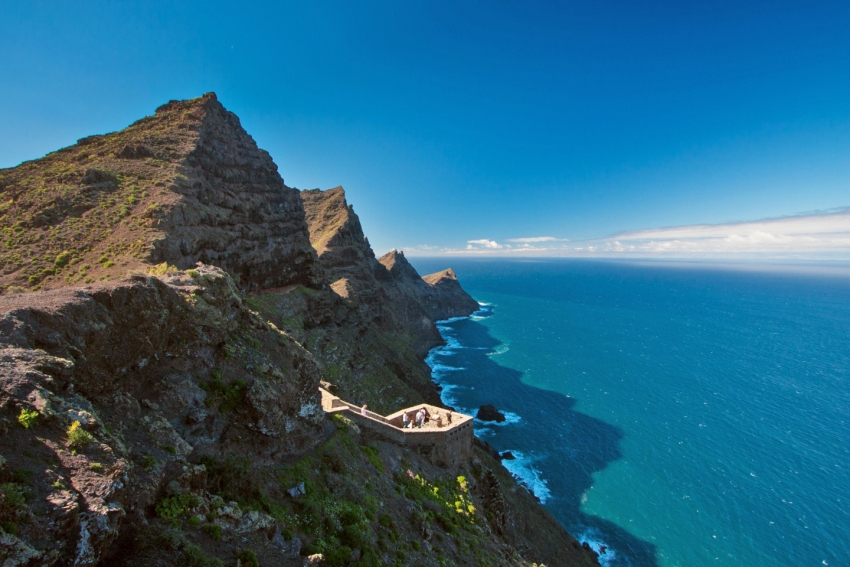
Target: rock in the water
{"type": "Point", "coordinates": [507, 456]}
{"type": "Point", "coordinates": [488, 412]}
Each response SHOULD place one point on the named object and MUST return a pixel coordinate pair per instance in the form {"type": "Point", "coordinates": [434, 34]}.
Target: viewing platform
{"type": "Point", "coordinates": [445, 444]}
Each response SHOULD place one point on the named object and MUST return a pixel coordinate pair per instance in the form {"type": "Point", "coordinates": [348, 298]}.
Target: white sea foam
{"type": "Point", "coordinates": [451, 343]}
{"type": "Point", "coordinates": [482, 432]}
{"type": "Point", "coordinates": [447, 394]}
{"type": "Point", "coordinates": [521, 468]}
{"type": "Point", "coordinates": [443, 368]}
{"type": "Point", "coordinates": [482, 313]}
{"type": "Point", "coordinates": [451, 320]}
{"type": "Point", "coordinates": [594, 540]}
{"type": "Point", "coordinates": [501, 349]}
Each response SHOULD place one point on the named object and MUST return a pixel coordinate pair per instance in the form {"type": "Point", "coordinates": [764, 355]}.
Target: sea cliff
{"type": "Point", "coordinates": [169, 310]}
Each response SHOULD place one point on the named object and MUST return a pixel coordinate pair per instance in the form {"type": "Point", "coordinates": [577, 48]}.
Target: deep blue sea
{"type": "Point", "coordinates": [678, 415]}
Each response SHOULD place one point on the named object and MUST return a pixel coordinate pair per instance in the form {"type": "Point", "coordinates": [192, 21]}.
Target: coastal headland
{"type": "Point", "coordinates": [169, 309]}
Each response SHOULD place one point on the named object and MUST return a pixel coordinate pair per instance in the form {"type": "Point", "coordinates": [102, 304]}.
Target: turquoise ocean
{"type": "Point", "coordinates": [678, 415]}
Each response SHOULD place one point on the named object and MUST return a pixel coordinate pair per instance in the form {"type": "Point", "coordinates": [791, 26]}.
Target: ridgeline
{"type": "Point", "coordinates": [169, 310]}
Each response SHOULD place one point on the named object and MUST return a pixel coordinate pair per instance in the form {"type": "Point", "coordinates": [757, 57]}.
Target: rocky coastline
{"type": "Point", "coordinates": [169, 308]}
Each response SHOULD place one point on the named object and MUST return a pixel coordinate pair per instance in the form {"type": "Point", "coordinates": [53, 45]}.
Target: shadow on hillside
{"type": "Point", "coordinates": [564, 445]}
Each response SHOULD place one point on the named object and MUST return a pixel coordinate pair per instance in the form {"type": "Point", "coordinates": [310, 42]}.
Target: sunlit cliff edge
{"type": "Point", "coordinates": [169, 310]}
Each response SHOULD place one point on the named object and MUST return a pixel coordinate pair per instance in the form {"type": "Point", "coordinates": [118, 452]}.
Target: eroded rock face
{"type": "Point", "coordinates": [387, 290]}
{"type": "Point", "coordinates": [235, 211]}
{"type": "Point", "coordinates": [143, 368]}
{"type": "Point", "coordinates": [136, 411]}
{"type": "Point", "coordinates": [446, 298]}
{"type": "Point", "coordinates": [343, 250]}
{"type": "Point", "coordinates": [439, 294]}
{"type": "Point", "coordinates": [185, 185]}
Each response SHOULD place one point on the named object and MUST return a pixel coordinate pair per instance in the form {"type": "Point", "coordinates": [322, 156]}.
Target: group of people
{"type": "Point", "coordinates": [418, 419]}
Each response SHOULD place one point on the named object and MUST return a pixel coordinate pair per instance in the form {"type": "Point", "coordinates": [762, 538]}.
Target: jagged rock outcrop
{"type": "Point", "coordinates": [140, 365]}
{"type": "Point", "coordinates": [187, 184]}
{"type": "Point", "coordinates": [439, 294]}
{"type": "Point", "coordinates": [388, 291]}
{"type": "Point", "coordinates": [169, 308]}
{"type": "Point", "coordinates": [343, 250]}
{"type": "Point", "coordinates": [446, 298]}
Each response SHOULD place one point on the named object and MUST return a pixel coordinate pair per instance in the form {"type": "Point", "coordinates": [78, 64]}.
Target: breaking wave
{"type": "Point", "coordinates": [594, 540]}
{"type": "Point", "coordinates": [522, 469]}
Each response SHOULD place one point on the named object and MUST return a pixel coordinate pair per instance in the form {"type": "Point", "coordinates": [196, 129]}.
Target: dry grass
{"type": "Point", "coordinates": [91, 211]}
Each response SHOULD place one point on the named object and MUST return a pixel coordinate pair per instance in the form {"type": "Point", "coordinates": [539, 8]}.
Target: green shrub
{"type": "Point", "coordinates": [13, 495]}
{"type": "Point", "coordinates": [10, 528]}
{"type": "Point", "coordinates": [193, 556]}
{"type": "Point", "coordinates": [194, 274]}
{"type": "Point", "coordinates": [227, 396]}
{"type": "Point", "coordinates": [369, 559]}
{"type": "Point", "coordinates": [231, 478]}
{"type": "Point", "coordinates": [148, 462]}
{"type": "Point", "coordinates": [355, 537]}
{"type": "Point", "coordinates": [97, 467]}
{"type": "Point", "coordinates": [62, 259]}
{"type": "Point", "coordinates": [195, 521]}
{"type": "Point", "coordinates": [373, 456]}
{"type": "Point", "coordinates": [108, 264]}
{"type": "Point", "coordinates": [173, 508]}
{"type": "Point", "coordinates": [169, 449]}
{"type": "Point", "coordinates": [249, 558]}
{"type": "Point", "coordinates": [338, 557]}
{"type": "Point", "coordinates": [213, 530]}
{"type": "Point", "coordinates": [27, 418]}
{"type": "Point", "coordinates": [333, 462]}
{"type": "Point", "coordinates": [77, 436]}
{"type": "Point", "coordinates": [350, 516]}
{"type": "Point", "coordinates": [162, 269]}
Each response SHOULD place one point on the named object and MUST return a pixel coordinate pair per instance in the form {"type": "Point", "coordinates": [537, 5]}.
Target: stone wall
{"type": "Point", "coordinates": [447, 446]}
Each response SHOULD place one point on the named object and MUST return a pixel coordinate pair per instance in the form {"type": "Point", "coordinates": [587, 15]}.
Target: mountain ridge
{"type": "Point", "coordinates": [169, 309]}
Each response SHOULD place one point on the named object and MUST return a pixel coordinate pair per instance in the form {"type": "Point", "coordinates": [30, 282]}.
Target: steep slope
{"type": "Point", "coordinates": [439, 294]}
{"type": "Point", "coordinates": [123, 382]}
{"type": "Point", "coordinates": [171, 417]}
{"type": "Point", "coordinates": [185, 185]}
{"type": "Point", "coordinates": [446, 297]}
{"type": "Point", "coordinates": [342, 248]}
{"type": "Point", "coordinates": [357, 277]}
{"type": "Point", "coordinates": [388, 291]}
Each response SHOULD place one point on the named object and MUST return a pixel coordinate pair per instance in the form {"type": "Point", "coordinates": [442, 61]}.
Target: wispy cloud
{"type": "Point", "coordinates": [812, 235]}
{"type": "Point", "coordinates": [483, 243]}
{"type": "Point", "coordinates": [534, 239]}
{"type": "Point", "coordinates": [820, 235]}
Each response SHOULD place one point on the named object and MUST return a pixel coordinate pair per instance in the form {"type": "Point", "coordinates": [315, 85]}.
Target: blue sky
{"type": "Point", "coordinates": [461, 127]}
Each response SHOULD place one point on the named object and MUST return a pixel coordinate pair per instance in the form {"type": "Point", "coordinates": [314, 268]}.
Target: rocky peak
{"type": "Point", "coordinates": [331, 220]}
{"type": "Point", "coordinates": [235, 210]}
{"type": "Point", "coordinates": [398, 266]}
{"type": "Point", "coordinates": [149, 405]}
{"type": "Point", "coordinates": [337, 236]}
{"type": "Point", "coordinates": [187, 184]}
{"type": "Point", "coordinates": [440, 277]}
